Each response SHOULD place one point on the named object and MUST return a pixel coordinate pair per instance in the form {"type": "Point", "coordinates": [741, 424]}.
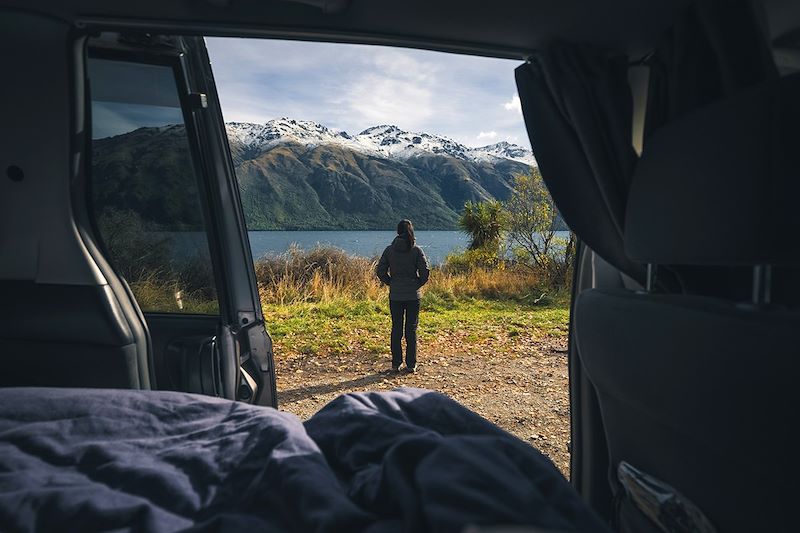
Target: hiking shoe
{"type": "Point", "coordinates": [411, 369]}
{"type": "Point", "coordinates": [396, 369]}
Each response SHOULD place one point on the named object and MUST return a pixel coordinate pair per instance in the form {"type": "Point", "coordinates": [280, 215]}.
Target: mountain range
{"type": "Point", "coordinates": [297, 174]}
{"type": "Point", "coordinates": [301, 175]}
{"type": "Point", "coordinates": [386, 141]}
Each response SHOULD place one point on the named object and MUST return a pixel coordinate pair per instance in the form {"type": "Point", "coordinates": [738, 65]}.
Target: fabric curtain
{"type": "Point", "coordinates": [578, 112]}
{"type": "Point", "coordinates": [577, 107]}
{"type": "Point", "coordinates": [717, 48]}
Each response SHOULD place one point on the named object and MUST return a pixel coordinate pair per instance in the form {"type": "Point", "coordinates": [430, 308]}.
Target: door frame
{"type": "Point", "coordinates": [243, 315]}
{"type": "Point", "coordinates": [244, 347]}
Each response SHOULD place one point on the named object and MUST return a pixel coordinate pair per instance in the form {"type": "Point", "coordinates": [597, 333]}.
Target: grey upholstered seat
{"type": "Point", "coordinates": [697, 387]}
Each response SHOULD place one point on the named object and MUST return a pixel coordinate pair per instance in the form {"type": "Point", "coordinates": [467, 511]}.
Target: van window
{"type": "Point", "coordinates": [144, 188]}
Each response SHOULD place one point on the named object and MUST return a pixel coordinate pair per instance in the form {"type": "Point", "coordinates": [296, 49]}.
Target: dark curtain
{"type": "Point", "coordinates": [715, 49]}
{"type": "Point", "coordinates": [577, 108]}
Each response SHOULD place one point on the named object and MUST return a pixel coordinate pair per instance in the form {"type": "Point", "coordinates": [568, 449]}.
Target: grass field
{"type": "Point", "coordinates": [341, 325]}
{"type": "Point", "coordinates": [324, 301]}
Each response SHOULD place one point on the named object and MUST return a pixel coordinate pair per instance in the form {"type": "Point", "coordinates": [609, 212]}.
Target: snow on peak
{"type": "Point", "coordinates": [385, 140]}
{"type": "Point", "coordinates": [276, 131]}
{"type": "Point", "coordinates": [504, 150]}
{"type": "Point", "coordinates": [391, 141]}
{"type": "Point", "coordinates": [383, 129]}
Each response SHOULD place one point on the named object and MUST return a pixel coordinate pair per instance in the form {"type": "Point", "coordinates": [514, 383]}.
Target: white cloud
{"type": "Point", "coordinates": [352, 87]}
{"type": "Point", "coordinates": [114, 118]}
{"type": "Point", "coordinates": [513, 104]}
{"type": "Point", "coordinates": [377, 99]}
{"type": "Point", "coordinates": [402, 64]}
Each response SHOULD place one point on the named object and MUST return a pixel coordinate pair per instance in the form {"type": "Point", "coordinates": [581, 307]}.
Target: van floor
{"type": "Point", "coordinates": [517, 382]}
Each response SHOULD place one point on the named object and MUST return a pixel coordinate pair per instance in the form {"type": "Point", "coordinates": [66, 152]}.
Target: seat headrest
{"type": "Point", "coordinates": [721, 186]}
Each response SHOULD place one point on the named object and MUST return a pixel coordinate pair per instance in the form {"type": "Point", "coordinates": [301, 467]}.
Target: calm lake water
{"type": "Point", "coordinates": [436, 244]}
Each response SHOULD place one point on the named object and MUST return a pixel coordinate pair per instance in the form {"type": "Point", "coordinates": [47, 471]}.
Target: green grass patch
{"type": "Point", "coordinates": [341, 325]}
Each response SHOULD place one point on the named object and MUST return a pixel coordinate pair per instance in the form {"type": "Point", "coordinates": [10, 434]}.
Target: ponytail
{"type": "Point", "coordinates": [406, 230]}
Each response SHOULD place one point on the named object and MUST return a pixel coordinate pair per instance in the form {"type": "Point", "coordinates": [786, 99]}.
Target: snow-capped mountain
{"type": "Point", "coordinates": [384, 141]}
{"type": "Point", "coordinates": [295, 174]}
{"type": "Point", "coordinates": [265, 136]}
{"type": "Point", "coordinates": [503, 150]}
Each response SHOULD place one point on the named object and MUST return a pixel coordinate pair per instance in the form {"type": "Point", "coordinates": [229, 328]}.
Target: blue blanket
{"type": "Point", "coordinates": [407, 460]}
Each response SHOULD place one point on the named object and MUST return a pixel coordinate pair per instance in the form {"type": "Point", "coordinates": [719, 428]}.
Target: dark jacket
{"type": "Point", "coordinates": [404, 270]}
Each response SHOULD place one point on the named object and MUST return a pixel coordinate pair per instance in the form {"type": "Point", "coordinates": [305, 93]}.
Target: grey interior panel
{"type": "Point", "coordinates": [67, 319]}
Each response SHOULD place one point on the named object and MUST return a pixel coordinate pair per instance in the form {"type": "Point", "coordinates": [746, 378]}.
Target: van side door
{"type": "Point", "coordinates": [165, 207]}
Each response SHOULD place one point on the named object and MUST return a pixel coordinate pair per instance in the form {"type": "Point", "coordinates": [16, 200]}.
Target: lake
{"type": "Point", "coordinates": [436, 244]}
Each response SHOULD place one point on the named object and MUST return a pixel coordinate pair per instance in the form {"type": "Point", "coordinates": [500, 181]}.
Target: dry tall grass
{"type": "Point", "coordinates": [492, 284]}
{"type": "Point", "coordinates": [169, 294]}
{"type": "Point", "coordinates": [325, 274]}
{"type": "Point", "coordinates": [318, 275]}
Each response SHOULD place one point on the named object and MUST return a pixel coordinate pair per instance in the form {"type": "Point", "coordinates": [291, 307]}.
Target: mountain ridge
{"type": "Point", "coordinates": [300, 175]}
{"type": "Point", "coordinates": [384, 140]}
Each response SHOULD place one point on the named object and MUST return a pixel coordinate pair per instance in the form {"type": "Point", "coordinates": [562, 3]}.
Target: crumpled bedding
{"type": "Point", "coordinates": [406, 460]}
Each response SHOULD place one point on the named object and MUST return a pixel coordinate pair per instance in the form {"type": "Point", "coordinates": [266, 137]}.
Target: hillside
{"type": "Point", "coordinates": [297, 175]}
{"type": "Point", "coordinates": [335, 180]}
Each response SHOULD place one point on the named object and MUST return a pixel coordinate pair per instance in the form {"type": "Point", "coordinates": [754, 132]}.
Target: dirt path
{"type": "Point", "coordinates": [524, 390]}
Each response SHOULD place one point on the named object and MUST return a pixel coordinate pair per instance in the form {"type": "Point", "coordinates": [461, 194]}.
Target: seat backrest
{"type": "Point", "coordinates": [697, 388]}
{"type": "Point", "coordinates": [66, 319]}
{"type": "Point", "coordinates": [62, 335]}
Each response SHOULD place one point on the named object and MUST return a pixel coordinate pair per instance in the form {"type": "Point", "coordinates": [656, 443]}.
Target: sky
{"type": "Point", "coordinates": [472, 100]}
{"type": "Point", "coordinates": [127, 96]}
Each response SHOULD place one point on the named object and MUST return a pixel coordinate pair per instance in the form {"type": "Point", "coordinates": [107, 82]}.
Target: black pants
{"type": "Point", "coordinates": [408, 310]}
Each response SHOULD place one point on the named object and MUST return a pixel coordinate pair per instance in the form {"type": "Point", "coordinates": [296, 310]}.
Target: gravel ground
{"type": "Point", "coordinates": [517, 382]}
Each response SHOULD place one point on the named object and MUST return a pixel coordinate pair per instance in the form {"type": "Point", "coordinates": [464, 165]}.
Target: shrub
{"type": "Point", "coordinates": [136, 252]}
{"type": "Point", "coordinates": [483, 221]}
{"type": "Point", "coordinates": [147, 259]}
{"type": "Point", "coordinates": [469, 260]}
{"type": "Point", "coordinates": [531, 221]}
{"type": "Point", "coordinates": [319, 274]}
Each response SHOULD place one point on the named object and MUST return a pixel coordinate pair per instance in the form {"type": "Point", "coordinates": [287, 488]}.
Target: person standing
{"type": "Point", "coordinates": [404, 268]}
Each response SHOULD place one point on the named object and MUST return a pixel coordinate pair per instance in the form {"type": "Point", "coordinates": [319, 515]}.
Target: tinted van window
{"type": "Point", "coordinates": [144, 188]}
